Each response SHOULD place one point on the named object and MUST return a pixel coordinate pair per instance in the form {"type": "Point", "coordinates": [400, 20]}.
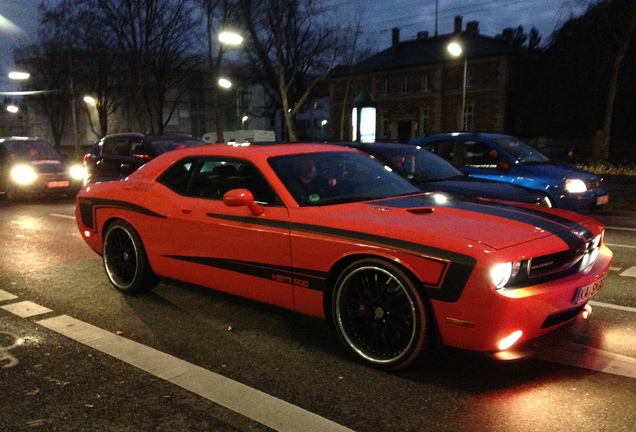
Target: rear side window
{"type": "Point", "coordinates": [211, 178]}
{"type": "Point", "coordinates": [116, 147]}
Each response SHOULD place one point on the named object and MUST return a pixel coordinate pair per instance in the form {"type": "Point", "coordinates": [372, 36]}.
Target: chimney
{"type": "Point", "coordinates": [395, 37]}
{"type": "Point", "coordinates": [472, 27]}
{"type": "Point", "coordinates": [458, 24]}
{"type": "Point", "coordinates": [422, 34]}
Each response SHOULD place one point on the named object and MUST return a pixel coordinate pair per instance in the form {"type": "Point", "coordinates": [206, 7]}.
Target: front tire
{"type": "Point", "coordinates": [379, 314]}
{"type": "Point", "coordinates": [125, 259]}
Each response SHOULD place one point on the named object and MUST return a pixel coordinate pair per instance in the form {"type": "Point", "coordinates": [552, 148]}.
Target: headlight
{"type": "Point", "coordinates": [77, 172]}
{"type": "Point", "coordinates": [575, 186]}
{"type": "Point", "coordinates": [23, 174]}
{"type": "Point", "coordinates": [502, 273]}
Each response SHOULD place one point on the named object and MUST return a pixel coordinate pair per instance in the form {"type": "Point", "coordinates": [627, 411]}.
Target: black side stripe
{"type": "Point", "coordinates": [460, 269]}
{"type": "Point", "coordinates": [88, 205]}
{"type": "Point", "coordinates": [315, 280]}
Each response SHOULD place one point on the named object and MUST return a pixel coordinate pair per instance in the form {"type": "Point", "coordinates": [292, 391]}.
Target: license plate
{"type": "Point", "coordinates": [602, 200]}
{"type": "Point", "coordinates": [58, 184]}
{"type": "Point", "coordinates": [586, 292]}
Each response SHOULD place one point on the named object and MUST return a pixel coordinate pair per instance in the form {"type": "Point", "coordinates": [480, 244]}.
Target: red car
{"type": "Point", "coordinates": [328, 231]}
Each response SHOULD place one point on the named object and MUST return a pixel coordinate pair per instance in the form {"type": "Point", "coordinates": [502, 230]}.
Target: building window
{"type": "Point", "coordinates": [405, 84]}
{"type": "Point", "coordinates": [468, 118]}
{"type": "Point", "coordinates": [425, 120]}
{"type": "Point", "coordinates": [386, 127]}
{"type": "Point", "coordinates": [469, 78]}
{"type": "Point", "coordinates": [385, 87]}
{"type": "Point", "coordinates": [426, 82]}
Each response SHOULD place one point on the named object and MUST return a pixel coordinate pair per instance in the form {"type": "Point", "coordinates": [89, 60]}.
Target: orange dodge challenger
{"type": "Point", "coordinates": [331, 232]}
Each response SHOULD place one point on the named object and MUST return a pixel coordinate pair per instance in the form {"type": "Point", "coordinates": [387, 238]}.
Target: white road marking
{"type": "Point", "coordinates": [26, 309]}
{"type": "Point", "coordinates": [620, 245]}
{"type": "Point", "coordinates": [62, 216]}
{"type": "Point", "coordinates": [591, 358]}
{"type": "Point", "coordinates": [6, 296]}
{"type": "Point", "coordinates": [631, 272]}
{"type": "Point", "coordinates": [254, 404]}
{"type": "Point", "coordinates": [613, 306]}
{"type": "Point", "coordinates": [619, 228]}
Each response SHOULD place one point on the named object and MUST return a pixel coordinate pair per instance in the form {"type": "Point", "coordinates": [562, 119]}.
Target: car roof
{"type": "Point", "coordinates": [257, 153]}
{"type": "Point", "coordinates": [454, 135]}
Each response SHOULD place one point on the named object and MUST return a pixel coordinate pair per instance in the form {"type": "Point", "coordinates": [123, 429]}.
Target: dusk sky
{"type": "Point", "coordinates": [19, 18]}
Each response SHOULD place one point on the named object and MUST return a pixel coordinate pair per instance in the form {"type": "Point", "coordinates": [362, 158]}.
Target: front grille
{"type": "Point", "coordinates": [554, 263]}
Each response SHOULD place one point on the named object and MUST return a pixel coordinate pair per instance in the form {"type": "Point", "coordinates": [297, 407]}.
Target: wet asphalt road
{"type": "Point", "coordinates": [281, 372]}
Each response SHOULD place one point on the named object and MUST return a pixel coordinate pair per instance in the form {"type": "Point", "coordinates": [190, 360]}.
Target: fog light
{"type": "Point", "coordinates": [510, 340]}
{"type": "Point", "coordinates": [87, 233]}
{"type": "Point", "coordinates": [586, 312]}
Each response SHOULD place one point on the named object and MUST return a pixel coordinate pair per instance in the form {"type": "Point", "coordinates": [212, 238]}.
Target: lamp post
{"type": "Point", "coordinates": [456, 49]}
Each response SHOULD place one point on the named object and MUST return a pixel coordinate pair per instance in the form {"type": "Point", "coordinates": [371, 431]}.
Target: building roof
{"type": "Point", "coordinates": [426, 50]}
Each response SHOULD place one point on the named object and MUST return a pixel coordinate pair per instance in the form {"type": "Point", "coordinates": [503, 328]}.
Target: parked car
{"type": "Point", "coordinates": [32, 167]}
{"type": "Point", "coordinates": [115, 156]}
{"type": "Point", "coordinates": [328, 231]}
{"type": "Point", "coordinates": [508, 159]}
{"type": "Point", "coordinates": [431, 173]}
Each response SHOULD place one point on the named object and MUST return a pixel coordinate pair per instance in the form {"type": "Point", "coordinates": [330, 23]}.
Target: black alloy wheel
{"type": "Point", "coordinates": [379, 314]}
{"type": "Point", "coordinates": [125, 259]}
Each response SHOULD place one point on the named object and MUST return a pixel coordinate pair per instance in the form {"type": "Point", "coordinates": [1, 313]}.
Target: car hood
{"type": "Point", "coordinates": [46, 165]}
{"type": "Point", "coordinates": [481, 188]}
{"type": "Point", "coordinates": [495, 225]}
{"type": "Point", "coordinates": [560, 171]}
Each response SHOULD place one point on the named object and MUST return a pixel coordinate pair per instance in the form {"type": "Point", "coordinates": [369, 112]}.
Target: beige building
{"type": "Point", "coordinates": [418, 86]}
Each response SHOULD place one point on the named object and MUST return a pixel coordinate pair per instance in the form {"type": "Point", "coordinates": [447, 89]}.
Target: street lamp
{"type": "Point", "coordinates": [229, 37]}
{"type": "Point", "coordinates": [19, 76]}
{"type": "Point", "coordinates": [456, 49]}
{"type": "Point", "coordinates": [243, 120]}
{"type": "Point", "coordinates": [12, 109]}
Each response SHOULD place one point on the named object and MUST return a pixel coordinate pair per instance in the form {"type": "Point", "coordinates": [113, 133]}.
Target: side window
{"type": "Point", "coordinates": [443, 149]}
{"type": "Point", "coordinates": [211, 178]}
{"type": "Point", "coordinates": [177, 177]}
{"type": "Point", "coordinates": [480, 155]}
{"type": "Point", "coordinates": [116, 147]}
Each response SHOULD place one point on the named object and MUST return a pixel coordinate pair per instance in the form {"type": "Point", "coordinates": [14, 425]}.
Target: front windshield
{"type": "Point", "coordinates": [521, 151]}
{"type": "Point", "coordinates": [417, 164]}
{"type": "Point", "coordinates": [166, 144]}
{"type": "Point", "coordinates": [336, 177]}
{"type": "Point", "coordinates": [31, 150]}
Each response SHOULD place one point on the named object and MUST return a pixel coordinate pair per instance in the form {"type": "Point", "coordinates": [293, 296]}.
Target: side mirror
{"type": "Point", "coordinates": [242, 197]}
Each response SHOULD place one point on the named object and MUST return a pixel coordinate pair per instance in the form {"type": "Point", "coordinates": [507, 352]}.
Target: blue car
{"type": "Point", "coordinates": [431, 173]}
{"type": "Point", "coordinates": [507, 159]}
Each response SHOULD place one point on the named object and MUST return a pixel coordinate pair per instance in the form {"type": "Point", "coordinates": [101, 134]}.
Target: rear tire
{"type": "Point", "coordinates": [380, 315]}
{"type": "Point", "coordinates": [125, 259]}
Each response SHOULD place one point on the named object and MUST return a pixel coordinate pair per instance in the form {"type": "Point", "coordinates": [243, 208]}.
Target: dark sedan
{"type": "Point", "coordinates": [432, 173]}
{"type": "Point", "coordinates": [116, 156]}
{"type": "Point", "coordinates": [32, 167]}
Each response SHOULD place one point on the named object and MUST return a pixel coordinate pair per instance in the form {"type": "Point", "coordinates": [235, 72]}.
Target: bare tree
{"type": "Point", "coordinates": [49, 81]}
{"type": "Point", "coordinates": [219, 15]}
{"type": "Point", "coordinates": [154, 38]}
{"type": "Point", "coordinates": [623, 37]}
{"type": "Point", "coordinates": [294, 46]}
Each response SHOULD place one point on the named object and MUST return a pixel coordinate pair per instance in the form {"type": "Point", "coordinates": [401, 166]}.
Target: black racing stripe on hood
{"type": "Point", "coordinates": [572, 233]}
{"type": "Point", "coordinates": [311, 279]}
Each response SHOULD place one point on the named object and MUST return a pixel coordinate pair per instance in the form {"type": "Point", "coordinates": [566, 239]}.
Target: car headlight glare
{"type": "Point", "coordinates": [500, 274]}
{"type": "Point", "coordinates": [77, 172]}
{"type": "Point", "coordinates": [23, 175]}
{"type": "Point", "coordinates": [575, 186]}
{"type": "Point", "coordinates": [503, 273]}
